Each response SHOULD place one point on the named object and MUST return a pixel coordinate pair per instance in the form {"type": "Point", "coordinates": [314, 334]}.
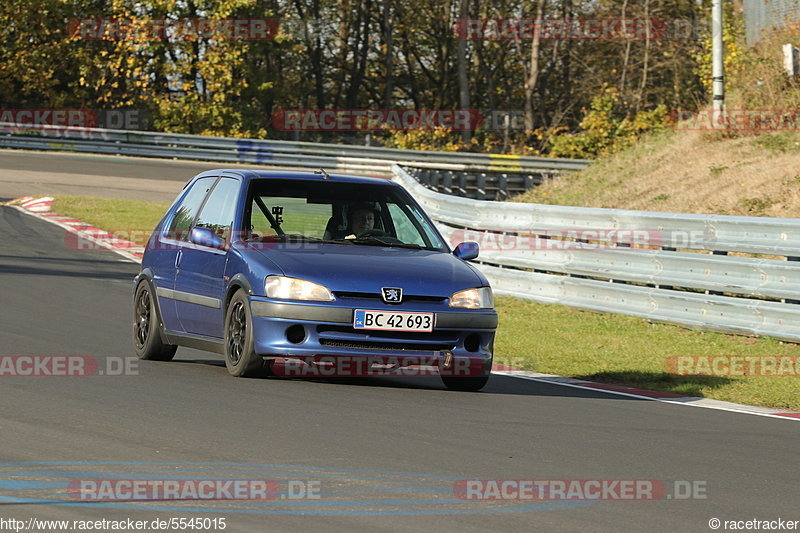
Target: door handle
{"type": "Point", "coordinates": [178, 258]}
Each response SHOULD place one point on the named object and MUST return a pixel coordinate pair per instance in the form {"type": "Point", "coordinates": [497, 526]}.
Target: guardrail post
{"type": "Point", "coordinates": [435, 180]}
{"type": "Point", "coordinates": [448, 182]}
{"type": "Point", "coordinates": [502, 187]}
{"type": "Point", "coordinates": [787, 300]}
{"type": "Point", "coordinates": [527, 182]}
{"type": "Point", "coordinates": [716, 252]}
{"type": "Point", "coordinates": [462, 184]}
{"type": "Point", "coordinates": [480, 194]}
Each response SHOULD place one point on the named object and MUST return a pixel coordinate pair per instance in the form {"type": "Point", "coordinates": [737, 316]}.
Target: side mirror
{"type": "Point", "coordinates": [206, 237]}
{"type": "Point", "coordinates": [466, 251]}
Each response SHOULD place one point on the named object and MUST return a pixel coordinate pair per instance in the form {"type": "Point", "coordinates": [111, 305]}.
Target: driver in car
{"type": "Point", "coordinates": [362, 219]}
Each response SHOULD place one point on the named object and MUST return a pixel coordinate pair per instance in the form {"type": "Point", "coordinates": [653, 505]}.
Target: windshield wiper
{"type": "Point", "coordinates": [289, 237]}
{"type": "Point", "coordinates": [297, 237]}
{"type": "Point", "coordinates": [365, 241]}
{"type": "Point", "coordinates": [377, 241]}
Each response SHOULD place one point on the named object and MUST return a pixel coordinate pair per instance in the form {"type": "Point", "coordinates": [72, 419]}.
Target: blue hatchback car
{"type": "Point", "coordinates": [299, 266]}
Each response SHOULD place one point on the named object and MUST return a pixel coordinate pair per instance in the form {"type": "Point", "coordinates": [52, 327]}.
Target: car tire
{"type": "Point", "coordinates": [241, 358]}
{"type": "Point", "coordinates": [465, 384]}
{"type": "Point", "coordinates": [475, 380]}
{"type": "Point", "coordinates": [146, 334]}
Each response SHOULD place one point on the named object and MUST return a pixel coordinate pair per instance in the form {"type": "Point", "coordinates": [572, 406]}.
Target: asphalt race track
{"type": "Point", "coordinates": [378, 455]}
{"type": "Point", "coordinates": [39, 173]}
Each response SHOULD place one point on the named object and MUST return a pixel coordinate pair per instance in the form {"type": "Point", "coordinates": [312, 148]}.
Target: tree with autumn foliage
{"type": "Point", "coordinates": [352, 54]}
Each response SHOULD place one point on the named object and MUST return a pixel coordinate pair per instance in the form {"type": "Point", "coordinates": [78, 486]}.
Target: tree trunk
{"type": "Point", "coordinates": [360, 53]}
{"type": "Point", "coordinates": [532, 75]}
{"type": "Point", "coordinates": [388, 63]}
{"type": "Point", "coordinates": [626, 56]}
{"type": "Point", "coordinates": [463, 82]}
{"type": "Point", "coordinates": [646, 64]}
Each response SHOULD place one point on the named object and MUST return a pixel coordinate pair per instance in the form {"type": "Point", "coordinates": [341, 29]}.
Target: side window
{"type": "Point", "coordinates": [184, 215]}
{"type": "Point", "coordinates": [220, 209]}
{"type": "Point", "coordinates": [405, 229]}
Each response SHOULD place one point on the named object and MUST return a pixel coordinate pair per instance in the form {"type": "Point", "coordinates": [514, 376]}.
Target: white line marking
{"type": "Point", "coordinates": [551, 379]}
{"type": "Point", "coordinates": [127, 256]}
{"type": "Point", "coordinates": [705, 403]}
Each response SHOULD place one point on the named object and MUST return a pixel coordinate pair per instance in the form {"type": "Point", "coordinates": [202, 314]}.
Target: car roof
{"type": "Point", "coordinates": [250, 174]}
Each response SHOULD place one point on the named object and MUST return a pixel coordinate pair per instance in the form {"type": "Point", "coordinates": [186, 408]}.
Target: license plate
{"type": "Point", "coordinates": [392, 320]}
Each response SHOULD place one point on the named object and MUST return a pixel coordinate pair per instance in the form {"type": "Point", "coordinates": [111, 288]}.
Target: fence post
{"type": "Point", "coordinates": [448, 183]}
{"type": "Point", "coordinates": [481, 185]}
{"type": "Point", "coordinates": [462, 185]}
{"type": "Point", "coordinates": [502, 187]}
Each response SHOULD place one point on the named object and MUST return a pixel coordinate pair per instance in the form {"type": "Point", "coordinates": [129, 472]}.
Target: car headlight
{"type": "Point", "coordinates": [480, 298]}
{"type": "Point", "coordinates": [287, 288]}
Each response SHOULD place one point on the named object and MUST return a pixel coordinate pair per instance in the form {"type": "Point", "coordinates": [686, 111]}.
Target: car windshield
{"type": "Point", "coordinates": [337, 212]}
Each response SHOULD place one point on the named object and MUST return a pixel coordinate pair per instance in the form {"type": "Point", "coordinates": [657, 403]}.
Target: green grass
{"type": "Point", "coordinates": [779, 142]}
{"type": "Point", "coordinates": [130, 219]}
{"type": "Point", "coordinates": [560, 340]}
{"type": "Point", "coordinates": [629, 351]}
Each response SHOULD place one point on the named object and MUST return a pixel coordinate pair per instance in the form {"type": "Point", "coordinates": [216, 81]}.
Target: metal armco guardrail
{"type": "Point", "coordinates": [587, 258]}
{"type": "Point", "coordinates": [477, 184]}
{"type": "Point", "coordinates": [343, 158]}
{"type": "Point", "coordinates": [684, 275]}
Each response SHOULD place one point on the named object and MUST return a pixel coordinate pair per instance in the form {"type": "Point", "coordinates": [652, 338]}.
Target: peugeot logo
{"type": "Point", "coordinates": [392, 295]}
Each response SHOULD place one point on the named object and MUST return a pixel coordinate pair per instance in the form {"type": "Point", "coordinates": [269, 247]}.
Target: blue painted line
{"type": "Point", "coordinates": [24, 484]}
{"type": "Point", "coordinates": [525, 508]}
{"type": "Point", "coordinates": [292, 468]}
{"type": "Point", "coordinates": [349, 507]}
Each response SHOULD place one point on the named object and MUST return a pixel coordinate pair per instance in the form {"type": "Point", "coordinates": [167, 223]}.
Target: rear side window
{"type": "Point", "coordinates": [220, 209]}
{"type": "Point", "coordinates": [188, 208]}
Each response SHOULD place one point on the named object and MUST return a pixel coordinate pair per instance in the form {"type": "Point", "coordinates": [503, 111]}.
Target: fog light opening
{"type": "Point", "coordinates": [472, 343]}
{"type": "Point", "coordinates": [296, 334]}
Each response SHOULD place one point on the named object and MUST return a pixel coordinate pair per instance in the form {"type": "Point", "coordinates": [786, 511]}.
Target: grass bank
{"type": "Point", "coordinates": [689, 172]}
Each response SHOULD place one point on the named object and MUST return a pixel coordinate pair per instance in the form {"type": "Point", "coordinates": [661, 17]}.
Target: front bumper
{"type": "Point", "coordinates": [313, 329]}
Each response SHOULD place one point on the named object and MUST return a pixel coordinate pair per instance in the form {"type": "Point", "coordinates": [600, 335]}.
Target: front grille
{"type": "Point", "coordinates": [377, 345]}
{"type": "Point", "coordinates": [442, 336]}
{"type": "Point", "coordinates": [377, 296]}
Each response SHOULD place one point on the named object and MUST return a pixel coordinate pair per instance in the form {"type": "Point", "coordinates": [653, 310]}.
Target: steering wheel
{"type": "Point", "coordinates": [372, 233]}
{"type": "Point", "coordinates": [380, 235]}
